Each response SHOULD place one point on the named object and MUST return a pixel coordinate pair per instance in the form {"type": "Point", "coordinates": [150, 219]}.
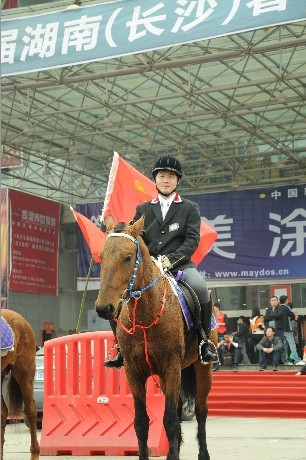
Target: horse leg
{"type": "Point", "coordinates": [204, 381]}
{"type": "Point", "coordinates": [141, 420]}
{"type": "Point", "coordinates": [4, 412]}
{"type": "Point", "coordinates": [172, 382]}
{"type": "Point", "coordinates": [26, 384]}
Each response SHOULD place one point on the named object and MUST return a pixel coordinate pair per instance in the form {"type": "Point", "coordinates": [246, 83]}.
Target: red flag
{"type": "Point", "coordinates": [207, 238]}
{"type": "Point", "coordinates": [127, 188]}
{"type": "Point", "coordinates": [94, 237]}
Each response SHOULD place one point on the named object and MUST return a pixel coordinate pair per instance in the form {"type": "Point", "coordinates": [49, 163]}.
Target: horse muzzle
{"type": "Point", "coordinates": [105, 311]}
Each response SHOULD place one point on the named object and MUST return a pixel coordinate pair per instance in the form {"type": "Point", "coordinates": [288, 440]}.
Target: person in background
{"type": "Point", "coordinates": [257, 328]}
{"type": "Point", "coordinates": [221, 321]}
{"type": "Point", "coordinates": [269, 349]}
{"type": "Point", "coordinates": [242, 334]}
{"type": "Point", "coordinates": [283, 316]}
{"type": "Point", "coordinates": [289, 336]}
{"type": "Point", "coordinates": [296, 332]}
{"type": "Point", "coordinates": [302, 371]}
{"type": "Point", "coordinates": [229, 344]}
{"type": "Point", "coordinates": [270, 321]}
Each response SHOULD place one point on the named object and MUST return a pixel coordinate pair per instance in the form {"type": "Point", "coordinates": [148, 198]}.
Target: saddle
{"type": "Point", "coordinates": [7, 338]}
{"type": "Point", "coordinates": [191, 309]}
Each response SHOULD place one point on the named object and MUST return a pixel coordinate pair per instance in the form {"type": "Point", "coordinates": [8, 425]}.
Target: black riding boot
{"type": "Point", "coordinates": [118, 360]}
{"type": "Point", "coordinates": [207, 355]}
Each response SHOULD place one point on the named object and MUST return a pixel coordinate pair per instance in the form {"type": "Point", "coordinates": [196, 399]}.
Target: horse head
{"type": "Point", "coordinates": [119, 257]}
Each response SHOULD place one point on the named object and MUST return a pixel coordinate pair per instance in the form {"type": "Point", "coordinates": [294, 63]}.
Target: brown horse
{"type": "Point", "coordinates": [20, 363]}
{"type": "Point", "coordinates": [151, 335]}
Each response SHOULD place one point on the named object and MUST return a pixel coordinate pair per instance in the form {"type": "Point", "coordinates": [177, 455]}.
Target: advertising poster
{"type": "Point", "coordinates": [34, 243]}
{"type": "Point", "coordinates": [4, 246]}
{"type": "Point", "coordinates": [261, 234]}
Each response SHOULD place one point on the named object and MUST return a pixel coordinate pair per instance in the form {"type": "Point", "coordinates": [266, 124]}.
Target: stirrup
{"type": "Point", "coordinates": [209, 342]}
{"type": "Point", "coordinates": [115, 347]}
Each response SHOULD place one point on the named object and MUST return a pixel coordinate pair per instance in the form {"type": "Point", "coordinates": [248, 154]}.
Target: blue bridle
{"type": "Point", "coordinates": [136, 265]}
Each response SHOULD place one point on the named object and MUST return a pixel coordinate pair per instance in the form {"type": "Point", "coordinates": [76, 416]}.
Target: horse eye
{"type": "Point", "coordinates": [127, 259]}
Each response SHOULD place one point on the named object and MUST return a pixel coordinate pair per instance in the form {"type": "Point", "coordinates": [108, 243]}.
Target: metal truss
{"type": "Point", "coordinates": [232, 109]}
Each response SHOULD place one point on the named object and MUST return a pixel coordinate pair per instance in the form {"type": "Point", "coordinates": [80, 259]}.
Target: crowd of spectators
{"type": "Point", "coordinates": [268, 339]}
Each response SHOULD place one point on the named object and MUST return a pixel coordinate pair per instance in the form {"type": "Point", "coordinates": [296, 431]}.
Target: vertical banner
{"type": "Point", "coordinates": [93, 212]}
{"type": "Point", "coordinates": [34, 243]}
{"type": "Point", "coordinates": [4, 246]}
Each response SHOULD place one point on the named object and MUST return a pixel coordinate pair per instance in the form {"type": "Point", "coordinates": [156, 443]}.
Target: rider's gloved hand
{"type": "Point", "coordinates": [166, 264]}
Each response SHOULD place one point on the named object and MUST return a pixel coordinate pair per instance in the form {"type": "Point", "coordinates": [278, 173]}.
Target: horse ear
{"type": "Point", "coordinates": [137, 227]}
{"type": "Point", "coordinates": [110, 224]}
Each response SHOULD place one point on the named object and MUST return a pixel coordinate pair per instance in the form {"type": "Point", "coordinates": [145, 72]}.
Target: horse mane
{"type": "Point", "coordinates": [120, 227]}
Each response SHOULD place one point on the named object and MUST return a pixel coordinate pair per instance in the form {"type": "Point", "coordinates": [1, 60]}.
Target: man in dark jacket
{"type": "Point", "coordinates": [172, 231]}
{"type": "Point", "coordinates": [269, 319]}
{"type": "Point", "coordinates": [282, 316]}
{"type": "Point", "coordinates": [269, 349]}
{"type": "Point", "coordinates": [242, 334]}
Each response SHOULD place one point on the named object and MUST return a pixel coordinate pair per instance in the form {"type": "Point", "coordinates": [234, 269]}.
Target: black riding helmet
{"type": "Point", "coordinates": [169, 163]}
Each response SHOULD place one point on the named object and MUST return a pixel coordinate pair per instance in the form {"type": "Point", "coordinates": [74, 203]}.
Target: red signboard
{"type": "Point", "coordinates": [283, 289]}
{"type": "Point", "coordinates": [34, 243]}
{"type": "Point", "coordinates": [12, 157]}
{"type": "Point", "coordinates": [3, 247]}
{"type": "Point", "coordinates": [10, 4]}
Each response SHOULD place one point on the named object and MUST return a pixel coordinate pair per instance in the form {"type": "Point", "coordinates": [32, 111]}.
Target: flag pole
{"type": "Point", "coordinates": [110, 186]}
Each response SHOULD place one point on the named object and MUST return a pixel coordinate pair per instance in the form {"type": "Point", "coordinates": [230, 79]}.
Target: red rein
{"type": "Point", "coordinates": [132, 330]}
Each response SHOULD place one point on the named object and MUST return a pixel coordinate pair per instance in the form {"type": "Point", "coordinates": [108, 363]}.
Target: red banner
{"type": "Point", "coordinates": [130, 189]}
{"type": "Point", "coordinates": [94, 237]}
{"type": "Point", "coordinates": [10, 4]}
{"type": "Point", "coordinates": [4, 246]}
{"type": "Point", "coordinates": [34, 243]}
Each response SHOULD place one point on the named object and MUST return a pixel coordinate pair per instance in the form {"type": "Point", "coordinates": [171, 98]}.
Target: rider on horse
{"type": "Point", "coordinates": [172, 231]}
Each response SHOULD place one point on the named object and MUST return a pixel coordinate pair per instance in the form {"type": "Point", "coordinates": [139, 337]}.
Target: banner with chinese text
{"type": "Point", "coordinates": [4, 255]}
{"type": "Point", "coordinates": [34, 243]}
{"type": "Point", "coordinates": [261, 234]}
{"type": "Point", "coordinates": [118, 28]}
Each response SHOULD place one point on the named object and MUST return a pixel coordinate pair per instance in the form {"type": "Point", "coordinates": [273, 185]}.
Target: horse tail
{"type": "Point", "coordinates": [15, 398]}
{"type": "Point", "coordinates": [189, 382]}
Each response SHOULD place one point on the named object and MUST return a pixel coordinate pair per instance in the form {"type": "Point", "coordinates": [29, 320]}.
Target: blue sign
{"type": "Point", "coordinates": [103, 31]}
{"type": "Point", "coordinates": [261, 233]}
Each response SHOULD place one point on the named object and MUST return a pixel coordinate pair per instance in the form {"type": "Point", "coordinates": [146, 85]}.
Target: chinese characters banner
{"type": "Point", "coordinates": [117, 28]}
{"type": "Point", "coordinates": [261, 233]}
{"type": "Point", "coordinates": [4, 246]}
{"type": "Point", "coordinates": [34, 243]}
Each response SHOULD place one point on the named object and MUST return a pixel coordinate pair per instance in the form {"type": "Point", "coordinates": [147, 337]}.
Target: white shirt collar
{"type": "Point", "coordinates": [166, 200]}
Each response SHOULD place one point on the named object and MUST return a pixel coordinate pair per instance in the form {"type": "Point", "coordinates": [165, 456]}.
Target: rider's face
{"type": "Point", "coordinates": [166, 181]}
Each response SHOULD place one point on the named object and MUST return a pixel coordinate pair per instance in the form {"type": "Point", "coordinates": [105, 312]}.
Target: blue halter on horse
{"type": "Point", "coordinates": [187, 303]}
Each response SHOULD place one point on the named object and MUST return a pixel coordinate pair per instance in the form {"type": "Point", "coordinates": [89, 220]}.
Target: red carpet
{"type": "Point", "coordinates": [280, 394]}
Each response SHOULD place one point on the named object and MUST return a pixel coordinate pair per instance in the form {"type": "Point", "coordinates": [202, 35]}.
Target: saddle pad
{"type": "Point", "coordinates": [7, 337]}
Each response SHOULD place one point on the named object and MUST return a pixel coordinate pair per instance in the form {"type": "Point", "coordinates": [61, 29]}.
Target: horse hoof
{"type": "Point", "coordinates": [204, 456]}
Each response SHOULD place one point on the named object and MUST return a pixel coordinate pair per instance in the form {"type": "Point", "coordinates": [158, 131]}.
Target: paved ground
{"type": "Point", "coordinates": [228, 439]}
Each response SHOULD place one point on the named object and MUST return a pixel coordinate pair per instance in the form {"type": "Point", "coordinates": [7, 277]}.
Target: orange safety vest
{"type": "Point", "coordinates": [255, 324]}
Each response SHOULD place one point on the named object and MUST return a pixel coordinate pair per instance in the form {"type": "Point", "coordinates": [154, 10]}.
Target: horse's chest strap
{"type": "Point", "coordinates": [132, 330]}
